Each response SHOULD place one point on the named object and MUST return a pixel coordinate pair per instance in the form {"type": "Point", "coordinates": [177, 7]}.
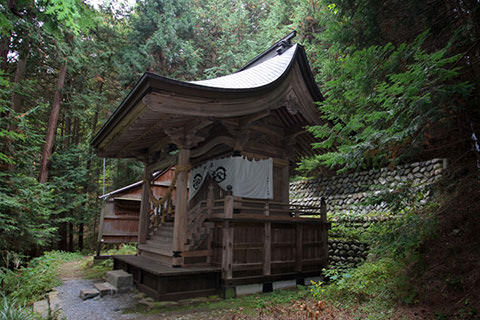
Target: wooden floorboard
{"type": "Point", "coordinates": [156, 268]}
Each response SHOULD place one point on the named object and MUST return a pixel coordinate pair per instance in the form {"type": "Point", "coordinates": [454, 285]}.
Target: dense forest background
{"type": "Point", "coordinates": [400, 80]}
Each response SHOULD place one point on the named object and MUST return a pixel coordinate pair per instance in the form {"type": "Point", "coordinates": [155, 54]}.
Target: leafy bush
{"type": "Point", "coordinates": [30, 283]}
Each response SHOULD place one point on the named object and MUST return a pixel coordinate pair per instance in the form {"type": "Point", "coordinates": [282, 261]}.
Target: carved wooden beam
{"type": "Point", "coordinates": [183, 138]}
{"type": "Point", "coordinates": [211, 144]}
{"type": "Point", "coordinates": [161, 164]}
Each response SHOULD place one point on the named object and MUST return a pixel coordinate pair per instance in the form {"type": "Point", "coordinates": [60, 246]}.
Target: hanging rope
{"type": "Point", "coordinates": [159, 203]}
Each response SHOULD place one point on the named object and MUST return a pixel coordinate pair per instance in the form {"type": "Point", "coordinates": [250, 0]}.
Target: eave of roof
{"type": "Point", "coordinates": [133, 185]}
{"type": "Point", "coordinates": [151, 82]}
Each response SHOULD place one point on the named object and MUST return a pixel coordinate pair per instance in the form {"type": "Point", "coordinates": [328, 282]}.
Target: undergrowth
{"type": "Point", "coordinates": [28, 284]}
{"type": "Point", "coordinates": [11, 310]}
{"type": "Point", "coordinates": [384, 280]}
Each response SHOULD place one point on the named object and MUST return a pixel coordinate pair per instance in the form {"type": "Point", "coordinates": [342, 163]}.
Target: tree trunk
{"type": "Point", "coordinates": [4, 48]}
{"type": "Point", "coordinates": [70, 237]}
{"type": "Point", "coordinates": [16, 101]}
{"type": "Point", "coordinates": [52, 125]}
{"type": "Point", "coordinates": [19, 76]}
{"type": "Point", "coordinates": [62, 232]}
{"type": "Point", "coordinates": [80, 236]}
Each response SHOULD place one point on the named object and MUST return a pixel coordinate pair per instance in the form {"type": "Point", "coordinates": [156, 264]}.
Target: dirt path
{"type": "Point", "coordinates": [71, 270]}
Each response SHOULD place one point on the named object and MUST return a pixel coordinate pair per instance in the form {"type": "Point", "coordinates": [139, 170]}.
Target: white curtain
{"type": "Point", "coordinates": [249, 179]}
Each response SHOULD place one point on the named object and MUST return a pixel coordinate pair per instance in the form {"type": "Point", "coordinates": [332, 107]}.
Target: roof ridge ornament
{"type": "Point", "coordinates": [285, 43]}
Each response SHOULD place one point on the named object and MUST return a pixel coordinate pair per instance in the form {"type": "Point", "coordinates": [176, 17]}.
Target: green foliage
{"type": "Point", "coordinates": [30, 283]}
{"type": "Point", "coordinates": [385, 279]}
{"type": "Point", "coordinates": [25, 205]}
{"type": "Point", "coordinates": [380, 101]}
{"type": "Point", "coordinates": [11, 310]}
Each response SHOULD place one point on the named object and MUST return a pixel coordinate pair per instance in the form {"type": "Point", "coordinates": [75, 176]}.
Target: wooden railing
{"type": "Point", "coordinates": [277, 232]}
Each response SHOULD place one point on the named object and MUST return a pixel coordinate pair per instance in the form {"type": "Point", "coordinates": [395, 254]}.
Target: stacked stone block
{"type": "Point", "coordinates": [346, 197]}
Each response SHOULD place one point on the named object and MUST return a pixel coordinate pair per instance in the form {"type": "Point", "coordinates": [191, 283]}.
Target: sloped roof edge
{"type": "Point", "coordinates": [133, 185]}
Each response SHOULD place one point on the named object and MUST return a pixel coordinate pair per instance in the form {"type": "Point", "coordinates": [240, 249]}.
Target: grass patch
{"type": "Point", "coordinates": [98, 269]}
{"type": "Point", "coordinates": [29, 284]}
{"type": "Point", "coordinates": [250, 305]}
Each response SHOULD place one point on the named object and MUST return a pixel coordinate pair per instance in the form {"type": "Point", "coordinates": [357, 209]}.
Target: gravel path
{"type": "Point", "coordinates": [98, 308]}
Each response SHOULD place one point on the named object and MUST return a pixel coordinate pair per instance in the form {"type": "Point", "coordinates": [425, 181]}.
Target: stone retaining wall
{"type": "Point", "coordinates": [346, 197]}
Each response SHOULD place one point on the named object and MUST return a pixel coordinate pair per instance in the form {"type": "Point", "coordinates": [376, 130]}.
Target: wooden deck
{"type": "Point", "coordinates": [164, 282]}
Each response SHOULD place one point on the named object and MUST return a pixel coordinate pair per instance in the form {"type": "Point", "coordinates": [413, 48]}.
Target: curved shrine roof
{"type": "Point", "coordinates": [279, 80]}
{"type": "Point", "coordinates": [255, 76]}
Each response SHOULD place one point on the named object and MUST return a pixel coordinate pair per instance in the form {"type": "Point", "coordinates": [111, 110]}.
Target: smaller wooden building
{"type": "Point", "coordinates": [238, 138]}
{"type": "Point", "coordinates": [121, 209]}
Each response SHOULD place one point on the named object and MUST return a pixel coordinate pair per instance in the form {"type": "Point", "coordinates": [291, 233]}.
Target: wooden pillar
{"type": "Point", "coordinates": [298, 245]}
{"type": "Point", "coordinates": [325, 227]}
{"type": "Point", "coordinates": [267, 245]}
{"type": "Point", "coordinates": [181, 207]}
{"type": "Point", "coordinates": [227, 240]}
{"type": "Point", "coordinates": [210, 203]}
{"type": "Point", "coordinates": [323, 210]}
{"type": "Point", "coordinates": [285, 180]}
{"type": "Point", "coordinates": [100, 228]}
{"type": "Point", "coordinates": [144, 218]}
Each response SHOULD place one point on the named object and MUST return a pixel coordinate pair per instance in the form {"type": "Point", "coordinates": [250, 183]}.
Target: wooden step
{"type": "Point", "coordinates": [163, 239]}
{"type": "Point", "coordinates": [166, 260]}
{"type": "Point", "coordinates": [163, 233]}
{"type": "Point", "coordinates": [164, 245]}
{"type": "Point", "coordinates": [160, 250]}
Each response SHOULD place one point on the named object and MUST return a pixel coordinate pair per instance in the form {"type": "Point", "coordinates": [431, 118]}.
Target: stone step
{"type": "Point", "coordinates": [120, 279]}
{"type": "Point", "coordinates": [88, 293]}
{"type": "Point", "coordinates": [105, 288]}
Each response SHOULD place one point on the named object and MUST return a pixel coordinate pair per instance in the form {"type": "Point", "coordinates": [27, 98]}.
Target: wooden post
{"type": "Point", "coordinates": [144, 210]}
{"type": "Point", "coordinates": [299, 245]}
{"type": "Point", "coordinates": [210, 203]}
{"type": "Point", "coordinates": [323, 210]}
{"type": "Point", "coordinates": [267, 245]}
{"type": "Point", "coordinates": [285, 181]}
{"type": "Point", "coordinates": [324, 235]}
{"type": "Point", "coordinates": [100, 228]}
{"type": "Point", "coordinates": [210, 199]}
{"type": "Point", "coordinates": [181, 207]}
{"type": "Point", "coordinates": [227, 252]}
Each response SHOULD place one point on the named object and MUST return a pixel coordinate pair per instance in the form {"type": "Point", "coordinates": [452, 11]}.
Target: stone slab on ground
{"type": "Point", "coordinates": [54, 301]}
{"type": "Point", "coordinates": [41, 308]}
{"type": "Point", "coordinates": [88, 293]}
{"type": "Point", "coordinates": [105, 288]}
{"type": "Point", "coordinates": [120, 279]}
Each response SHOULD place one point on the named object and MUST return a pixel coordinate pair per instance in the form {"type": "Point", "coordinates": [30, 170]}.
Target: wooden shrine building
{"type": "Point", "coordinates": [121, 209]}
{"type": "Point", "coordinates": [234, 141]}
